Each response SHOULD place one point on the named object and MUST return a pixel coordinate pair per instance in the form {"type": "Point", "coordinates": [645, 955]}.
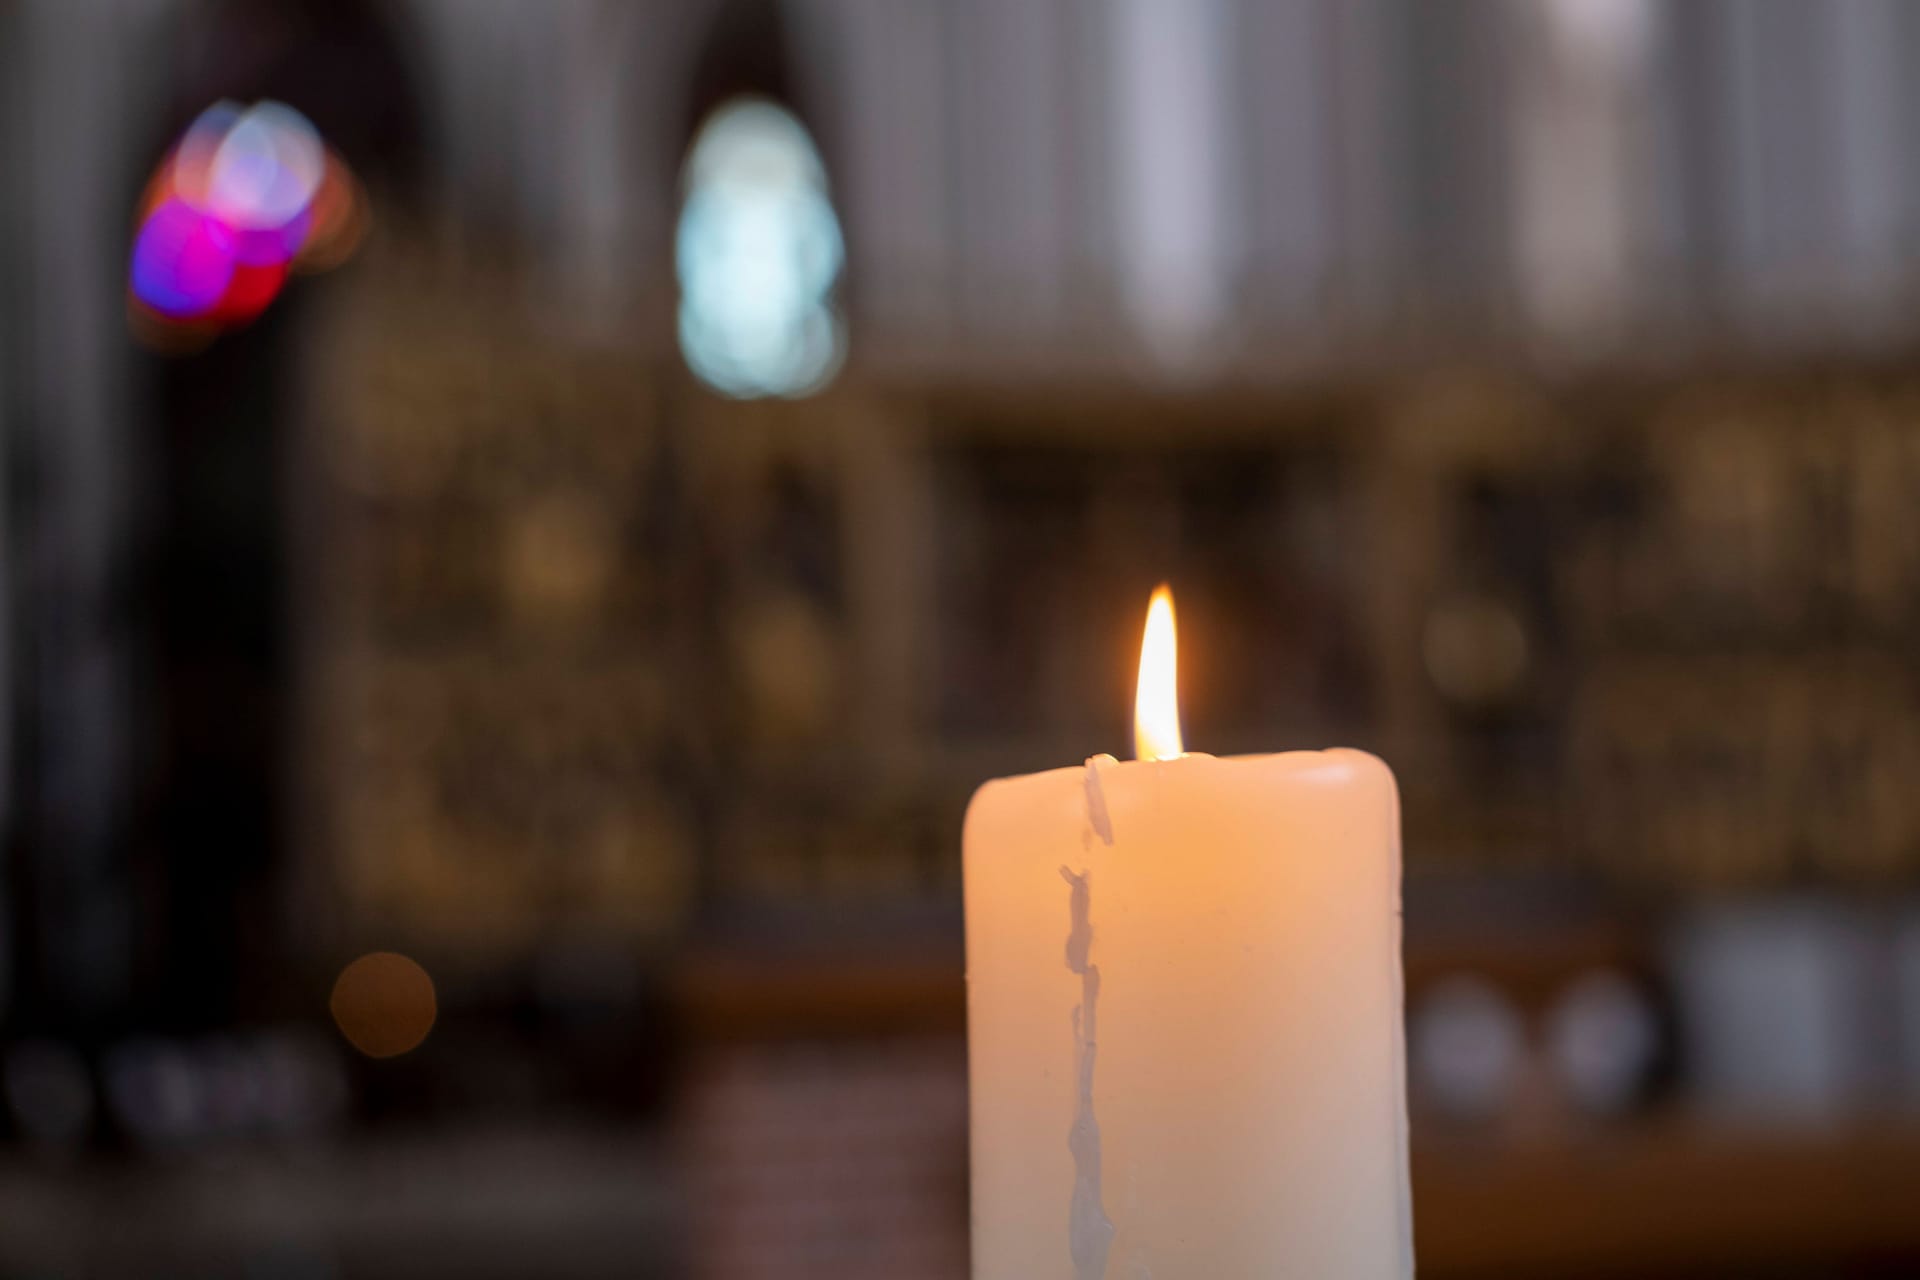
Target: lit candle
{"type": "Point", "coordinates": [1184, 1012]}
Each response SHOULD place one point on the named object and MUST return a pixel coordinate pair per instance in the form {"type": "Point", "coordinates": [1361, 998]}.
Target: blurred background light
{"type": "Point", "coordinates": [182, 260]}
{"type": "Point", "coordinates": [383, 1004]}
{"type": "Point", "coordinates": [1467, 1044]}
{"type": "Point", "coordinates": [758, 254]}
{"type": "Point", "coordinates": [1603, 1036]}
{"type": "Point", "coordinates": [157, 1096]}
{"type": "Point", "coordinates": [241, 199]}
{"type": "Point", "coordinates": [1476, 650]}
{"type": "Point", "coordinates": [266, 170]}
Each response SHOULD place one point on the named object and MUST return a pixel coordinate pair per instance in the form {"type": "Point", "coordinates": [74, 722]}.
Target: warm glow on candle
{"type": "Point", "coordinates": [1185, 1049]}
{"type": "Point", "coordinates": [1156, 704]}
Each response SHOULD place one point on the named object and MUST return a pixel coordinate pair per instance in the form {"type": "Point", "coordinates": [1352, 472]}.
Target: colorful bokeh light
{"type": "Point", "coordinates": [247, 197]}
{"type": "Point", "coordinates": [182, 261]}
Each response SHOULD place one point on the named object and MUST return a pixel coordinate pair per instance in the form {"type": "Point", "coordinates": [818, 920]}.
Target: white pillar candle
{"type": "Point", "coordinates": [1184, 1015]}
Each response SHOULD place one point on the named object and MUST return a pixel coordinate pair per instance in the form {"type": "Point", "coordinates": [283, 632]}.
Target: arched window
{"type": "Point", "coordinates": [759, 254]}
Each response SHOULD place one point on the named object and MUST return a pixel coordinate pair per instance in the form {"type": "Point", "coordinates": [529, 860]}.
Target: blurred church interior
{"type": "Point", "coordinates": [486, 741]}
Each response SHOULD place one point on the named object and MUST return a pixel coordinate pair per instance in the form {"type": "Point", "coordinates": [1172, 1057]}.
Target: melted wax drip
{"type": "Point", "coordinates": [1098, 823]}
{"type": "Point", "coordinates": [1089, 1229]}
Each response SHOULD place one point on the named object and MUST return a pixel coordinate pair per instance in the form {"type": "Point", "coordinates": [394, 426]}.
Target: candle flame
{"type": "Point", "coordinates": [1156, 702]}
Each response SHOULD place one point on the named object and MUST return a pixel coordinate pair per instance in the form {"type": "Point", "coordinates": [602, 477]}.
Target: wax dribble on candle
{"type": "Point", "coordinates": [1098, 821]}
{"type": "Point", "coordinates": [1089, 1230]}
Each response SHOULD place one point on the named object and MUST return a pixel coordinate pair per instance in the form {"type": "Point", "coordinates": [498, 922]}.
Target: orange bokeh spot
{"type": "Point", "coordinates": [383, 1004]}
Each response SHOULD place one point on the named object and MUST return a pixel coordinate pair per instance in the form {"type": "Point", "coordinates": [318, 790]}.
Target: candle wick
{"type": "Point", "coordinates": [1089, 1230]}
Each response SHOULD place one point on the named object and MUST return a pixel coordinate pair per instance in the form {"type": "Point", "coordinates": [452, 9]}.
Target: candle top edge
{"type": "Point", "coordinates": [1103, 787]}
{"type": "Point", "coordinates": [1291, 763]}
